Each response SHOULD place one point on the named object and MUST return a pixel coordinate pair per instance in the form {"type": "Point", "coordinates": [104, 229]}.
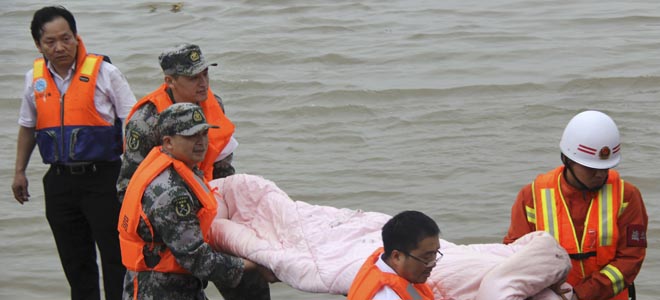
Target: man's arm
{"type": "Point", "coordinates": [174, 218]}
{"type": "Point", "coordinates": [25, 145]}
{"type": "Point", "coordinates": [119, 93]}
{"type": "Point", "coordinates": [141, 137]}
{"type": "Point", "coordinates": [519, 225]}
{"type": "Point", "coordinates": [630, 253]}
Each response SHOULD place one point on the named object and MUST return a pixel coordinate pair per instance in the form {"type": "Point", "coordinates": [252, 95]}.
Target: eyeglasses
{"type": "Point", "coordinates": [427, 264]}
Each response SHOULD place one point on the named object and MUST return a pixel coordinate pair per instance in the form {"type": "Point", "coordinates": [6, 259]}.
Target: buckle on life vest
{"type": "Point", "coordinates": [581, 256]}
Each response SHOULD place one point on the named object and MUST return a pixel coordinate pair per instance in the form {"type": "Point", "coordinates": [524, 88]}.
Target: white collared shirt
{"type": "Point", "coordinates": [113, 96]}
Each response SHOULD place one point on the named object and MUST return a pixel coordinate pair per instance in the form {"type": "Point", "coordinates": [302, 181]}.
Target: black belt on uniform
{"type": "Point", "coordinates": [82, 168]}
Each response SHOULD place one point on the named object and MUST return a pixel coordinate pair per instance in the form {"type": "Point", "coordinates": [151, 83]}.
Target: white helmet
{"type": "Point", "coordinates": [591, 139]}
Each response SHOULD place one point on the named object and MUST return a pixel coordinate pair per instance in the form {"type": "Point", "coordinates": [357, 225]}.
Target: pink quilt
{"type": "Point", "coordinates": [319, 249]}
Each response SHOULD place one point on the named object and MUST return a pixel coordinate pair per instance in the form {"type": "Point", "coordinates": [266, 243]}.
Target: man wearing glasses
{"type": "Point", "coordinates": [399, 270]}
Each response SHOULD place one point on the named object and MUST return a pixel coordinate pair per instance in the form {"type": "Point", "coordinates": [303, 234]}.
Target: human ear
{"type": "Point", "coordinates": [169, 80]}
{"type": "Point", "coordinates": [167, 143]}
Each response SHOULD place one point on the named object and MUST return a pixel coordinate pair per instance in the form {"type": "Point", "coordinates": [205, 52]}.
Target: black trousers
{"type": "Point", "coordinates": [82, 210]}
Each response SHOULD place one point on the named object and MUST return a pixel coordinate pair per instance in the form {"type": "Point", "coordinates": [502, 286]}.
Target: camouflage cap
{"type": "Point", "coordinates": [182, 119]}
{"type": "Point", "coordinates": [184, 59]}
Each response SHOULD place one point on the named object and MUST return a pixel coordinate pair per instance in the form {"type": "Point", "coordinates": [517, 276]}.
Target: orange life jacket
{"type": "Point", "coordinates": [132, 245]}
{"type": "Point", "coordinates": [218, 138]}
{"type": "Point", "coordinates": [599, 240]}
{"type": "Point", "coordinates": [370, 279]}
{"type": "Point", "coordinates": [69, 128]}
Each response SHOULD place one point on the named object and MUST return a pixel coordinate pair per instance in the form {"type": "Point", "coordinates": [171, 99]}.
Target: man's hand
{"type": "Point", "coordinates": [20, 188]}
{"type": "Point", "coordinates": [557, 288]}
{"type": "Point", "coordinates": [266, 273]}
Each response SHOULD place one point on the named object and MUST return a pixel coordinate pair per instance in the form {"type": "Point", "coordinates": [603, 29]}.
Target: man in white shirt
{"type": "Point", "coordinates": [399, 270]}
{"type": "Point", "coordinates": [73, 107]}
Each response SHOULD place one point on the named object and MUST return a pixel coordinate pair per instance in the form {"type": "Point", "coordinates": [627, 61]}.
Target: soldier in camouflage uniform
{"type": "Point", "coordinates": [186, 80]}
{"type": "Point", "coordinates": [171, 201]}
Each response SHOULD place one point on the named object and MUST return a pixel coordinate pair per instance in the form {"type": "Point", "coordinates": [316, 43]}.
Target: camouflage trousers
{"type": "Point", "coordinates": [251, 287]}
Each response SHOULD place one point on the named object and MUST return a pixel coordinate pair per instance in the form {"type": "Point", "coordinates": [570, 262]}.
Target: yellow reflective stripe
{"type": "Point", "coordinates": [88, 66]}
{"type": "Point", "coordinates": [531, 214]}
{"type": "Point", "coordinates": [549, 208]}
{"type": "Point", "coordinates": [605, 220]}
{"type": "Point", "coordinates": [615, 277]}
{"type": "Point", "coordinates": [623, 204]}
{"type": "Point", "coordinates": [622, 208]}
{"type": "Point", "coordinates": [39, 69]}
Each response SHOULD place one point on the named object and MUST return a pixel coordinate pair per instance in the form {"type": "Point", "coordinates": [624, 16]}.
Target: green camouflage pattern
{"type": "Point", "coordinates": [141, 137]}
{"type": "Point", "coordinates": [184, 59]}
{"type": "Point", "coordinates": [172, 208]}
{"type": "Point", "coordinates": [185, 119]}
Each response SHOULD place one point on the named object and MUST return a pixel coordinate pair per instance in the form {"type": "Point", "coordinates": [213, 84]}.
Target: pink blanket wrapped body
{"type": "Point", "coordinates": [320, 249]}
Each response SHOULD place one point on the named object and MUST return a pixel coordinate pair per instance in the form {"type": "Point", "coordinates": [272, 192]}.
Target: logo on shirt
{"type": "Point", "coordinates": [133, 140]}
{"type": "Point", "coordinates": [182, 206]}
{"type": "Point", "coordinates": [40, 85]}
{"type": "Point", "coordinates": [636, 236]}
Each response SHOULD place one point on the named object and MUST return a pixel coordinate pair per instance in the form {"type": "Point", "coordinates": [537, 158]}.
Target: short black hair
{"type": "Point", "coordinates": [405, 230]}
{"type": "Point", "coordinates": [47, 14]}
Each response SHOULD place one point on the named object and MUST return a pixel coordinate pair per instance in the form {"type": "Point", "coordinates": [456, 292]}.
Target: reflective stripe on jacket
{"type": "Point", "coordinates": [218, 138]}
{"type": "Point", "coordinates": [131, 213]}
{"type": "Point", "coordinates": [599, 240]}
{"type": "Point", "coordinates": [370, 279]}
{"type": "Point", "coordinates": [69, 128]}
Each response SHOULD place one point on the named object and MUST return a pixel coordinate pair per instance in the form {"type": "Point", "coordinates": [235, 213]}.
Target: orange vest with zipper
{"type": "Point", "coordinates": [69, 128]}
{"type": "Point", "coordinates": [370, 279]}
{"type": "Point", "coordinates": [218, 138]}
{"type": "Point", "coordinates": [599, 240]}
{"type": "Point", "coordinates": [131, 212]}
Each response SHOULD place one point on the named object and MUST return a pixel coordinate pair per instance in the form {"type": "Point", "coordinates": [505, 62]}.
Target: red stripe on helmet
{"type": "Point", "coordinates": [586, 149]}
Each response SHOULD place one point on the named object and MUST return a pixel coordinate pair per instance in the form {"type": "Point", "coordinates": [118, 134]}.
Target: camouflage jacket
{"type": "Point", "coordinates": [181, 233]}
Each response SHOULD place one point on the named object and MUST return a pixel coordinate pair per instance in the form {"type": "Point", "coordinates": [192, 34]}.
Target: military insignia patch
{"type": "Point", "coordinates": [604, 153]}
{"type": "Point", "coordinates": [133, 140]}
{"type": "Point", "coordinates": [183, 206]}
{"type": "Point", "coordinates": [197, 116]}
{"type": "Point", "coordinates": [194, 56]}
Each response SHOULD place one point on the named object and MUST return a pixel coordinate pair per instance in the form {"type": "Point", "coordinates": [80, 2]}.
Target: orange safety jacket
{"type": "Point", "coordinates": [370, 279]}
{"type": "Point", "coordinates": [69, 128]}
{"type": "Point", "coordinates": [598, 245]}
{"type": "Point", "coordinates": [218, 138]}
{"type": "Point", "coordinates": [132, 245]}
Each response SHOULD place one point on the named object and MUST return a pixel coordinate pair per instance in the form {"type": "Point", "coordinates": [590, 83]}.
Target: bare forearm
{"type": "Point", "coordinates": [24, 147]}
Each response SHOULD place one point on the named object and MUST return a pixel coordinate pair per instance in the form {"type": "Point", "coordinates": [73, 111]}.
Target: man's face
{"type": "Point", "coordinates": [592, 178]}
{"type": "Point", "coordinates": [413, 267]}
{"type": "Point", "coordinates": [188, 149]}
{"type": "Point", "coordinates": [192, 89]}
{"type": "Point", "coordinates": [58, 44]}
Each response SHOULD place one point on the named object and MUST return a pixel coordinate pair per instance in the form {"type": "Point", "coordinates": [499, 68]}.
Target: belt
{"type": "Point", "coordinates": [581, 256]}
{"type": "Point", "coordinates": [81, 168]}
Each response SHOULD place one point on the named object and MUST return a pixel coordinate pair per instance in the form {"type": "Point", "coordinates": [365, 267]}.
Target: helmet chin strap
{"type": "Point", "coordinates": [582, 187]}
